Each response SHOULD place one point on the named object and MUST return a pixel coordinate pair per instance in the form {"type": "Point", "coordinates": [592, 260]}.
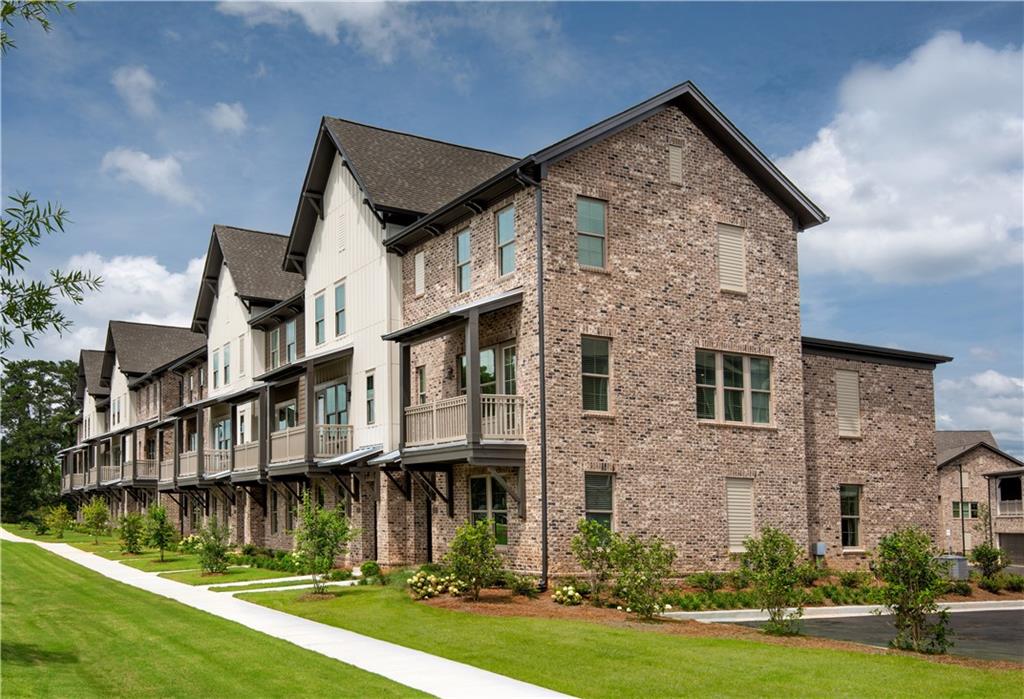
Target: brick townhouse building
{"type": "Point", "coordinates": [607, 328]}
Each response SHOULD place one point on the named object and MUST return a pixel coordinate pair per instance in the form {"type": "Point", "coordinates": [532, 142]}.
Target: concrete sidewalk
{"type": "Point", "coordinates": [413, 668]}
{"type": "Point", "coordinates": [732, 616]}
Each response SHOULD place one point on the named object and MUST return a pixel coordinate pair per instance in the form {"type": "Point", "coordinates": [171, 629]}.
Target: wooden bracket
{"type": "Point", "coordinates": [404, 488]}
{"type": "Point", "coordinates": [343, 482]}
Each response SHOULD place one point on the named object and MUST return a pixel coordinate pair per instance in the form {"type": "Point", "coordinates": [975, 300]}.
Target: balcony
{"type": "Point", "coordinates": [288, 445]}
{"type": "Point", "coordinates": [167, 470]}
{"type": "Point", "coordinates": [188, 464]}
{"type": "Point", "coordinates": [1011, 508]}
{"type": "Point", "coordinates": [216, 461]}
{"type": "Point", "coordinates": [247, 456]}
{"type": "Point", "coordinates": [77, 480]}
{"type": "Point", "coordinates": [332, 440]}
{"type": "Point", "coordinates": [146, 469]}
{"type": "Point", "coordinates": [65, 482]}
{"type": "Point", "coordinates": [109, 473]}
{"type": "Point", "coordinates": [446, 421]}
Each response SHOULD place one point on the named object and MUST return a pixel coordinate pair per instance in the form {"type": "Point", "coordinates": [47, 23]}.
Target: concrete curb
{"type": "Point", "coordinates": [731, 616]}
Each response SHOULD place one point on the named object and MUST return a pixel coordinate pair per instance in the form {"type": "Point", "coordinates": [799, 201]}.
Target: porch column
{"type": "Point", "coordinates": [405, 366]}
{"type": "Point", "coordinates": [263, 436]}
{"type": "Point", "coordinates": [234, 435]}
{"type": "Point", "coordinates": [200, 442]}
{"type": "Point", "coordinates": [135, 454]}
{"type": "Point", "coordinates": [177, 447]}
{"type": "Point", "coordinates": [310, 399]}
{"type": "Point", "coordinates": [473, 427]}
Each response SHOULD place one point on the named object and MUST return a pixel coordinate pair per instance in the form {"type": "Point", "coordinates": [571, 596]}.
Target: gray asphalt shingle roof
{"type": "Point", "coordinates": [412, 173]}
{"type": "Point", "coordinates": [951, 443]}
{"type": "Point", "coordinates": [141, 347]}
{"type": "Point", "coordinates": [91, 365]}
{"type": "Point", "coordinates": [254, 258]}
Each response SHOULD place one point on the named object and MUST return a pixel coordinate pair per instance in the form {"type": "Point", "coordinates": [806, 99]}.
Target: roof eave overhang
{"type": "Point", "coordinates": [871, 353]}
{"type": "Point", "coordinates": [279, 312]}
{"type": "Point", "coordinates": [208, 285]}
{"type": "Point", "coordinates": [982, 445]}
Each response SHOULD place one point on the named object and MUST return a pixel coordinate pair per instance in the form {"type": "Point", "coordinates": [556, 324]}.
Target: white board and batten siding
{"type": "Point", "coordinates": [739, 507]}
{"type": "Point", "coordinates": [229, 325]}
{"type": "Point", "coordinates": [732, 258]}
{"type": "Point", "coordinates": [848, 402]}
{"type": "Point", "coordinates": [347, 247]}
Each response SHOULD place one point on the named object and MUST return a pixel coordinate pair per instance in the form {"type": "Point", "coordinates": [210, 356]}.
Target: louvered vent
{"type": "Point", "coordinates": [739, 505]}
{"type": "Point", "coordinates": [848, 403]}
{"type": "Point", "coordinates": [732, 263]}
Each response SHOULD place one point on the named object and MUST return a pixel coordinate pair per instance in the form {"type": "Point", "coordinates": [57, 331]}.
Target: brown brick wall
{"type": "Point", "coordinates": [975, 464]}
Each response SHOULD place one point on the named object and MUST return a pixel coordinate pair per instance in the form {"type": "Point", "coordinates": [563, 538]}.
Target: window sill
{"type": "Point", "coordinates": [599, 414]}
{"type": "Point", "coordinates": [595, 270]}
{"type": "Point", "coordinates": [854, 551]}
{"type": "Point", "coordinates": [851, 437]}
{"type": "Point", "coordinates": [733, 292]}
{"type": "Point", "coordinates": [738, 425]}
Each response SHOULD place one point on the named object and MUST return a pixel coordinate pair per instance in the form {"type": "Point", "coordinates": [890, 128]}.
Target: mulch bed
{"type": "Point", "coordinates": [504, 604]}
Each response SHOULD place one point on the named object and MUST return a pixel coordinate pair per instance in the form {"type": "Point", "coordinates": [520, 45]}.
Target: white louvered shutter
{"type": "Point", "coordinates": [848, 403]}
{"type": "Point", "coordinates": [732, 263]}
{"type": "Point", "coordinates": [739, 505]}
{"type": "Point", "coordinates": [420, 271]}
{"type": "Point", "coordinates": [675, 164]}
{"type": "Point", "coordinates": [339, 223]}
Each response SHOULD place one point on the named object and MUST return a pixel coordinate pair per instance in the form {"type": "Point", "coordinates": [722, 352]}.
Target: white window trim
{"type": "Point", "coordinates": [608, 376]}
{"type": "Point", "coordinates": [344, 309]}
{"type": "Point", "coordinates": [499, 246]}
{"type": "Point", "coordinates": [317, 339]}
{"type": "Point", "coordinates": [748, 413]}
{"type": "Point", "coordinates": [489, 511]}
{"type": "Point", "coordinates": [587, 234]}
{"type": "Point", "coordinates": [587, 510]}
{"type": "Point", "coordinates": [468, 263]}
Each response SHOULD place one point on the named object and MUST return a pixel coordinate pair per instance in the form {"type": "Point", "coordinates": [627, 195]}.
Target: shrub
{"type": "Point", "coordinates": [58, 519]}
{"type": "Point", "coordinates": [958, 587]}
{"type": "Point", "coordinates": [190, 544]}
{"type": "Point", "coordinates": [1014, 583]}
{"type": "Point", "coordinates": [213, 547]}
{"type": "Point", "coordinates": [340, 574]}
{"type": "Point", "coordinates": [809, 573]}
{"type": "Point", "coordinates": [642, 568]}
{"type": "Point", "coordinates": [993, 583]}
{"type": "Point", "coordinates": [854, 578]}
{"type": "Point", "coordinates": [738, 579]}
{"type": "Point", "coordinates": [708, 582]}
{"type": "Point", "coordinates": [914, 577]}
{"type": "Point", "coordinates": [567, 595]}
{"type": "Point", "coordinates": [989, 559]}
{"type": "Point", "coordinates": [522, 585]}
{"type": "Point", "coordinates": [594, 547]}
{"type": "Point", "coordinates": [369, 569]}
{"type": "Point", "coordinates": [425, 584]}
{"type": "Point", "coordinates": [323, 536]}
{"type": "Point", "coordinates": [771, 562]}
{"type": "Point", "coordinates": [96, 517]}
{"type": "Point", "coordinates": [472, 557]}
{"type": "Point", "coordinates": [131, 533]}
{"type": "Point", "coordinates": [159, 532]}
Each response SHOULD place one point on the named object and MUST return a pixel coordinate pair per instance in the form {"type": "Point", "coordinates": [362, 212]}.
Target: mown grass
{"type": "Point", "coordinates": [259, 586]}
{"type": "Point", "coordinates": [69, 632]}
{"type": "Point", "coordinates": [597, 660]}
{"type": "Point", "coordinates": [172, 561]}
{"type": "Point", "coordinates": [232, 574]}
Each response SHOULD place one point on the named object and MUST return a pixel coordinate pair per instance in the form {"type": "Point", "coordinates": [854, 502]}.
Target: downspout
{"type": "Point", "coordinates": [539, 194]}
{"type": "Point", "coordinates": [963, 522]}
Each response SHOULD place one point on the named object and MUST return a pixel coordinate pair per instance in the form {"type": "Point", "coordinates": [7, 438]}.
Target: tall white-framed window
{"type": "Point", "coordinates": [733, 388]}
{"type": "Point", "coordinates": [591, 232]}
{"type": "Point", "coordinates": [598, 497]}
{"type": "Point", "coordinates": [275, 348]}
{"type": "Point", "coordinates": [419, 272]}
{"type": "Point", "coordinates": [241, 355]}
{"type": "Point", "coordinates": [497, 370]}
{"type": "Point", "coordinates": [227, 363]}
{"type": "Point", "coordinates": [319, 324]}
{"type": "Point", "coordinates": [421, 384]}
{"type": "Point", "coordinates": [339, 309]}
{"type": "Point", "coordinates": [505, 223]}
{"type": "Point", "coordinates": [488, 500]}
{"type": "Point", "coordinates": [243, 436]}
{"type": "Point", "coordinates": [371, 399]}
{"type": "Point", "coordinates": [290, 345]}
{"type": "Point", "coordinates": [595, 353]}
{"type": "Point", "coordinates": [216, 368]}
{"type": "Point", "coordinates": [463, 262]}
{"type": "Point", "coordinates": [849, 515]}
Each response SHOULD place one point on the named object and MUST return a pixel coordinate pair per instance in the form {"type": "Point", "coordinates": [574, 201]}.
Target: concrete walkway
{"type": "Point", "coordinates": [413, 668]}
{"type": "Point", "coordinates": [732, 616]}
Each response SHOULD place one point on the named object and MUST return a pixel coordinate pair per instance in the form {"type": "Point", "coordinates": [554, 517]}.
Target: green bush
{"type": "Point", "coordinates": [707, 582]}
{"type": "Point", "coordinates": [58, 520]}
{"type": "Point", "coordinates": [522, 585]}
{"type": "Point", "coordinates": [854, 578]}
{"type": "Point", "coordinates": [213, 547]}
{"type": "Point", "coordinates": [96, 517]}
{"type": "Point", "coordinates": [594, 547]}
{"type": "Point", "coordinates": [737, 579]}
{"type": "Point", "coordinates": [992, 583]}
{"type": "Point", "coordinates": [567, 596]}
{"type": "Point", "coordinates": [914, 577]}
{"type": "Point", "coordinates": [642, 567]}
{"type": "Point", "coordinates": [989, 559]}
{"type": "Point", "coordinates": [131, 533]}
{"type": "Point", "coordinates": [809, 572]}
{"type": "Point", "coordinates": [771, 561]}
{"type": "Point", "coordinates": [1013, 582]}
{"type": "Point", "coordinates": [323, 536]}
{"type": "Point", "coordinates": [369, 569]}
{"type": "Point", "coordinates": [472, 557]}
{"type": "Point", "coordinates": [426, 583]}
{"type": "Point", "coordinates": [159, 532]}
{"type": "Point", "coordinates": [958, 587]}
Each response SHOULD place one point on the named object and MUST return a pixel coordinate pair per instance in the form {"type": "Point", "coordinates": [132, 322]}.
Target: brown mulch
{"type": "Point", "coordinates": [315, 596]}
{"type": "Point", "coordinates": [504, 604]}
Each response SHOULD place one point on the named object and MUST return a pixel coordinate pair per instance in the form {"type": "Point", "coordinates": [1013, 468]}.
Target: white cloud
{"type": "Point", "coordinates": [160, 176]}
{"type": "Point", "coordinates": [984, 354]}
{"type": "Point", "coordinates": [987, 400]}
{"type": "Point", "coordinates": [921, 169]}
{"type": "Point", "coordinates": [136, 86]}
{"type": "Point", "coordinates": [231, 118]}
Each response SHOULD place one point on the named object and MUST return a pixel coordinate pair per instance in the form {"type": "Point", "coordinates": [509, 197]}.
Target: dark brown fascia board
{"type": "Point", "coordinates": [288, 306]}
{"type": "Point", "coordinates": [187, 360]}
{"type": "Point", "coordinates": [995, 450]}
{"type": "Point", "coordinates": [872, 353]}
{"type": "Point", "coordinates": [204, 299]}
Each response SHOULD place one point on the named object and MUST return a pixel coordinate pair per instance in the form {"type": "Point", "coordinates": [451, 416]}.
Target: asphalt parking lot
{"type": "Point", "coordinates": [991, 635]}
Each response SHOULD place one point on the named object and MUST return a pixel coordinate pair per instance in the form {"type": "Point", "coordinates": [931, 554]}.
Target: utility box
{"type": "Point", "coordinates": [956, 566]}
{"type": "Point", "coordinates": [819, 549]}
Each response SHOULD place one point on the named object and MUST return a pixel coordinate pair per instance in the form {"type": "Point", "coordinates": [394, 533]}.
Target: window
{"type": "Point", "coordinates": [488, 372]}
{"type": "Point", "coordinates": [290, 348]}
{"type": "Point", "coordinates": [508, 362]}
{"type": "Point", "coordinates": [371, 408]}
{"type": "Point", "coordinates": [739, 510]}
{"type": "Point", "coordinates": [222, 434]}
{"type": "Point", "coordinates": [421, 384]}
{"type": "Point", "coordinates": [289, 512]}
{"type": "Point", "coordinates": [332, 405]}
{"type": "Point", "coordinates": [598, 497]}
{"type": "Point", "coordinates": [489, 500]}
{"type": "Point", "coordinates": [732, 260]}
{"type": "Point", "coordinates": [286, 415]}
{"type": "Point", "coordinates": [596, 373]}
{"type": "Point", "coordinates": [241, 355]}
{"type": "Point", "coordinates": [202, 375]}
{"type": "Point", "coordinates": [227, 363]}
{"type": "Point", "coordinates": [419, 273]}
{"type": "Point", "coordinates": [1009, 496]}
{"type": "Point", "coordinates": [733, 388]}
{"type": "Point", "coordinates": [675, 164]}
{"type": "Point", "coordinates": [318, 494]}
{"type": "Point", "coordinates": [274, 505]}
{"type": "Point", "coordinates": [275, 348]}
{"type": "Point", "coordinates": [965, 510]}
{"type": "Point", "coordinates": [463, 267]}
{"type": "Point", "coordinates": [339, 309]}
{"type": "Point", "coordinates": [848, 403]}
{"type": "Point", "coordinates": [242, 436]}
{"type": "Point", "coordinates": [849, 513]}
{"type": "Point", "coordinates": [216, 368]}
{"type": "Point", "coordinates": [506, 225]}
{"type": "Point", "coordinates": [591, 232]}
{"type": "Point", "coordinates": [319, 330]}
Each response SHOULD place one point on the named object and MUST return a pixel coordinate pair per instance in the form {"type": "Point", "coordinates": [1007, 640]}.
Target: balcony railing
{"type": "Point", "coordinates": [147, 468]}
{"type": "Point", "coordinates": [91, 475]}
{"type": "Point", "coordinates": [1011, 508]}
{"type": "Point", "coordinates": [65, 482]}
{"type": "Point", "coordinates": [216, 461]}
{"type": "Point", "coordinates": [167, 469]}
{"type": "Point", "coordinates": [109, 472]}
{"type": "Point", "coordinates": [288, 445]}
{"type": "Point", "coordinates": [332, 440]}
{"type": "Point", "coordinates": [187, 463]}
{"type": "Point", "coordinates": [77, 480]}
{"type": "Point", "coordinates": [247, 456]}
{"type": "Point", "coordinates": [501, 418]}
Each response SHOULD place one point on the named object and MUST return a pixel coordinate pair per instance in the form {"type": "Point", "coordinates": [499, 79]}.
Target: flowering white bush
{"type": "Point", "coordinates": [190, 544]}
{"type": "Point", "coordinates": [567, 595]}
{"type": "Point", "coordinates": [425, 585]}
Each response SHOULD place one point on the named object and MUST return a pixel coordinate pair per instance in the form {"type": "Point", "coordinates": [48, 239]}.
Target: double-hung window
{"type": "Point", "coordinates": [371, 407]}
{"type": "Point", "coordinates": [598, 492]}
{"type": "Point", "coordinates": [319, 329]}
{"type": "Point", "coordinates": [286, 414]}
{"type": "Point", "coordinates": [733, 388]}
{"type": "Point", "coordinates": [488, 500]}
{"type": "Point", "coordinates": [849, 515]}
{"type": "Point", "coordinates": [965, 510]}
{"type": "Point", "coordinates": [339, 309]}
{"type": "Point", "coordinates": [506, 224]}
{"type": "Point", "coordinates": [275, 348]}
{"type": "Point", "coordinates": [216, 368]}
{"type": "Point", "coordinates": [463, 265]}
{"type": "Point", "coordinates": [591, 232]}
{"type": "Point", "coordinates": [227, 363]}
{"type": "Point", "coordinates": [421, 384]}
{"type": "Point", "coordinates": [290, 348]}
{"type": "Point", "coordinates": [596, 372]}
{"type": "Point", "coordinates": [241, 355]}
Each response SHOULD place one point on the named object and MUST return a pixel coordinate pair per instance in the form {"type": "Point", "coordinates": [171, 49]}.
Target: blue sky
{"type": "Point", "coordinates": [151, 122]}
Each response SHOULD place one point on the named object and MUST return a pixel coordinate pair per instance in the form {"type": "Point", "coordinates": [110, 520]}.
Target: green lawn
{"type": "Point", "coordinates": [594, 660]}
{"type": "Point", "coordinates": [233, 574]}
{"type": "Point", "coordinates": [70, 537]}
{"type": "Point", "coordinates": [172, 561]}
{"type": "Point", "coordinates": [260, 586]}
{"type": "Point", "coordinates": [69, 632]}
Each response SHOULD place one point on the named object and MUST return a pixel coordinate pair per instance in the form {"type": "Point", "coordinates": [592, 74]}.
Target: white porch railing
{"type": "Point", "coordinates": [247, 456]}
{"type": "Point", "coordinates": [167, 469]}
{"type": "Point", "coordinates": [77, 480]}
{"type": "Point", "coordinates": [146, 468]}
{"type": "Point", "coordinates": [288, 444]}
{"type": "Point", "coordinates": [1011, 508]}
{"type": "Point", "coordinates": [187, 463]}
{"type": "Point", "coordinates": [332, 440]}
{"type": "Point", "coordinates": [217, 461]}
{"type": "Point", "coordinates": [501, 418]}
{"type": "Point", "coordinates": [109, 472]}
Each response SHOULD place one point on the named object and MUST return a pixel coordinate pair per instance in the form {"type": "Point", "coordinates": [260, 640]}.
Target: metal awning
{"type": "Point", "coordinates": [232, 397]}
{"type": "Point", "coordinates": [454, 316]}
{"type": "Point", "coordinates": [389, 458]}
{"type": "Point", "coordinates": [351, 457]}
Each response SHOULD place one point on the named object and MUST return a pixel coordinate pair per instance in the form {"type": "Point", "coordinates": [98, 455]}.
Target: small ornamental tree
{"type": "Point", "coordinates": [989, 559]}
{"type": "Point", "coordinates": [323, 536]}
{"type": "Point", "coordinates": [594, 548]}
{"type": "Point", "coordinates": [213, 547]}
{"type": "Point", "coordinates": [772, 564]}
{"type": "Point", "coordinates": [58, 519]}
{"type": "Point", "coordinates": [914, 577]}
{"type": "Point", "coordinates": [473, 558]}
{"type": "Point", "coordinates": [159, 532]}
{"type": "Point", "coordinates": [642, 568]}
{"type": "Point", "coordinates": [131, 531]}
{"type": "Point", "coordinates": [96, 517]}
